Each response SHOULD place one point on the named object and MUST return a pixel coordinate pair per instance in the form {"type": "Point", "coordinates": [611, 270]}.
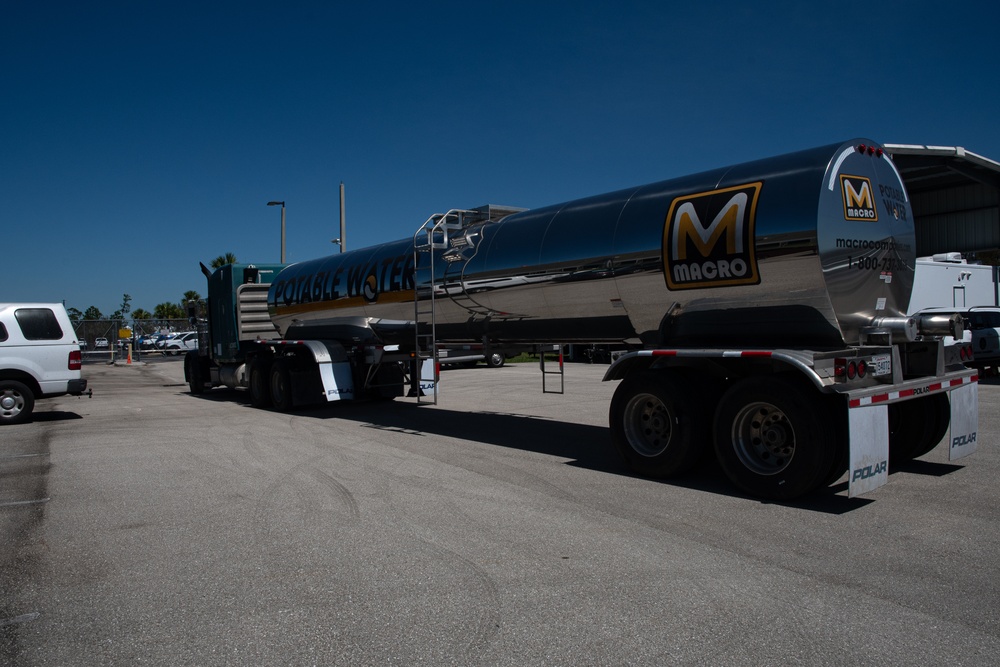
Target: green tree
{"type": "Point", "coordinates": [124, 309]}
{"type": "Point", "coordinates": [168, 311]}
{"type": "Point", "coordinates": [93, 313]}
{"type": "Point", "coordinates": [74, 314]}
{"type": "Point", "coordinates": [222, 260]}
{"type": "Point", "coordinates": [140, 314]}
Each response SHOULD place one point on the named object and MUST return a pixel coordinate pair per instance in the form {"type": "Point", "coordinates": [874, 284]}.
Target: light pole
{"type": "Point", "coordinates": [342, 241]}
{"type": "Point", "coordinates": [282, 205]}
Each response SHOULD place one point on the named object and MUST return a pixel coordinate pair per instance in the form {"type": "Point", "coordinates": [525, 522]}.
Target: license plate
{"type": "Point", "coordinates": [881, 364]}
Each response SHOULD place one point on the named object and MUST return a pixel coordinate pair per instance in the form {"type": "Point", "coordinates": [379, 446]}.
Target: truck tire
{"type": "Point", "coordinates": [193, 371]}
{"type": "Point", "coordinates": [258, 382]}
{"type": "Point", "coordinates": [281, 386]}
{"type": "Point", "coordinates": [917, 426]}
{"type": "Point", "coordinates": [656, 426]}
{"type": "Point", "coordinates": [16, 402]}
{"type": "Point", "coordinates": [772, 441]}
{"type": "Point", "coordinates": [495, 359]}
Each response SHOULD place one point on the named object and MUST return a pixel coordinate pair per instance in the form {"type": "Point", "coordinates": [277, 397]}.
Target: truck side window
{"type": "Point", "coordinates": [38, 324]}
{"type": "Point", "coordinates": [3, 332]}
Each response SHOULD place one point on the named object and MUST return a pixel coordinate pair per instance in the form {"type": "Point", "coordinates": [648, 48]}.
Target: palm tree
{"type": "Point", "coordinates": [141, 314]}
{"type": "Point", "coordinates": [168, 311]}
{"type": "Point", "coordinates": [222, 260]}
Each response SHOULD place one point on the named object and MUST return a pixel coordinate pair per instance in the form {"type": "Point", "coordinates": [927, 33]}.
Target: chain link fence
{"type": "Point", "coordinates": [104, 338]}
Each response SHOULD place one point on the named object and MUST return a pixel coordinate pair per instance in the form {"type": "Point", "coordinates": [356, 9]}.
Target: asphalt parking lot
{"type": "Point", "coordinates": [149, 526]}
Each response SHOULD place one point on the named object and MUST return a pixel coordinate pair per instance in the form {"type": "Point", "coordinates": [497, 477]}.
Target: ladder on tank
{"type": "Point", "coordinates": [434, 234]}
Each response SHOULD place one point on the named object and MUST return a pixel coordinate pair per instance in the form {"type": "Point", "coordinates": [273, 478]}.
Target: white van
{"type": "Point", "coordinates": [39, 358]}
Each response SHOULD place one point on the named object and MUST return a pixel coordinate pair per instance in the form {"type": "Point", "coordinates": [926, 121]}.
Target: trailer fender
{"type": "Point", "coordinates": [626, 365]}
{"type": "Point", "coordinates": [331, 361]}
{"type": "Point", "coordinates": [643, 359]}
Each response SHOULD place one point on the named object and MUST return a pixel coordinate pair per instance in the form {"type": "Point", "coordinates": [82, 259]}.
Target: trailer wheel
{"type": "Point", "coordinates": [917, 426]}
{"type": "Point", "coordinates": [258, 382]}
{"type": "Point", "coordinates": [771, 441]}
{"type": "Point", "coordinates": [656, 426]}
{"type": "Point", "coordinates": [281, 386]}
{"type": "Point", "coordinates": [193, 372]}
{"type": "Point", "coordinates": [16, 402]}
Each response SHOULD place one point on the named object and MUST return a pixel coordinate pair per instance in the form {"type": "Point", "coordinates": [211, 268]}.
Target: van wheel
{"type": "Point", "coordinates": [771, 441]}
{"type": "Point", "coordinates": [16, 402]}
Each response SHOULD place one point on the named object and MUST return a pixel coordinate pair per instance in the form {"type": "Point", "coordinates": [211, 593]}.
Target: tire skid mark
{"type": "Point", "coordinates": [312, 489]}
{"type": "Point", "coordinates": [481, 632]}
{"type": "Point", "coordinates": [478, 632]}
{"type": "Point", "coordinates": [337, 490]}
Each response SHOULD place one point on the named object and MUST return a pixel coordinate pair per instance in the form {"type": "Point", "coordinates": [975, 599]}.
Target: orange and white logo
{"type": "Point", "coordinates": [859, 200]}
{"type": "Point", "coordinates": [717, 254]}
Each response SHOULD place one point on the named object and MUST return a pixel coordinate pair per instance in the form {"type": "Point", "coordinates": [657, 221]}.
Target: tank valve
{"type": "Point", "coordinates": [896, 326]}
{"type": "Point", "coordinates": [942, 325]}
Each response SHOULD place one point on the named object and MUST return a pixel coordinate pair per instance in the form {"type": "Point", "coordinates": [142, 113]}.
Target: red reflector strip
{"type": "Point", "coordinates": [906, 393]}
{"type": "Point", "coordinates": [663, 353]}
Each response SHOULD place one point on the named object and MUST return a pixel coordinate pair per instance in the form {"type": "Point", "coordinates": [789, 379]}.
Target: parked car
{"type": "Point", "coordinates": [982, 333]}
{"type": "Point", "coordinates": [985, 324]}
{"type": "Point", "coordinates": [181, 342]}
{"type": "Point", "coordinates": [147, 342]}
{"type": "Point", "coordinates": [40, 357]}
{"type": "Point", "coordinates": [100, 343]}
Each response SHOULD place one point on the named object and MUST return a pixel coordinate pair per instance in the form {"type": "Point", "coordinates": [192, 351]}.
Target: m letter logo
{"type": "Point", "coordinates": [859, 201]}
{"type": "Point", "coordinates": [708, 239]}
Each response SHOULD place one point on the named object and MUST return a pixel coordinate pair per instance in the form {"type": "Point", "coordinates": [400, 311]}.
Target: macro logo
{"type": "Point", "coordinates": [708, 239]}
{"type": "Point", "coordinates": [859, 200]}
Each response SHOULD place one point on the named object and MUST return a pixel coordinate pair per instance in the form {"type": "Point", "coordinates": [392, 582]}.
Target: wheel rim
{"type": "Point", "coordinates": [763, 438]}
{"type": "Point", "coordinates": [11, 403]}
{"type": "Point", "coordinates": [648, 425]}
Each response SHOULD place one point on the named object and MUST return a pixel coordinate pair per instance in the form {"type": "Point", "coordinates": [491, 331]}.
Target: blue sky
{"type": "Point", "coordinates": [140, 138]}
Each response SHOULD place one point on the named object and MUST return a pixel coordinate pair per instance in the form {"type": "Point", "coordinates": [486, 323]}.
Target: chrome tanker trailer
{"type": "Point", "coordinates": [765, 302]}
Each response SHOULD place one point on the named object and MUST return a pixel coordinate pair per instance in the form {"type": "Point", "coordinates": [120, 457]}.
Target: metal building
{"type": "Point", "coordinates": [955, 196]}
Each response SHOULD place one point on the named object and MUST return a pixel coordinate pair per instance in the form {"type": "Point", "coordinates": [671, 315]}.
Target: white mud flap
{"type": "Point", "coordinates": [964, 421]}
{"type": "Point", "coordinates": [428, 377]}
{"type": "Point", "coordinates": [869, 433]}
{"type": "Point", "coordinates": [338, 381]}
